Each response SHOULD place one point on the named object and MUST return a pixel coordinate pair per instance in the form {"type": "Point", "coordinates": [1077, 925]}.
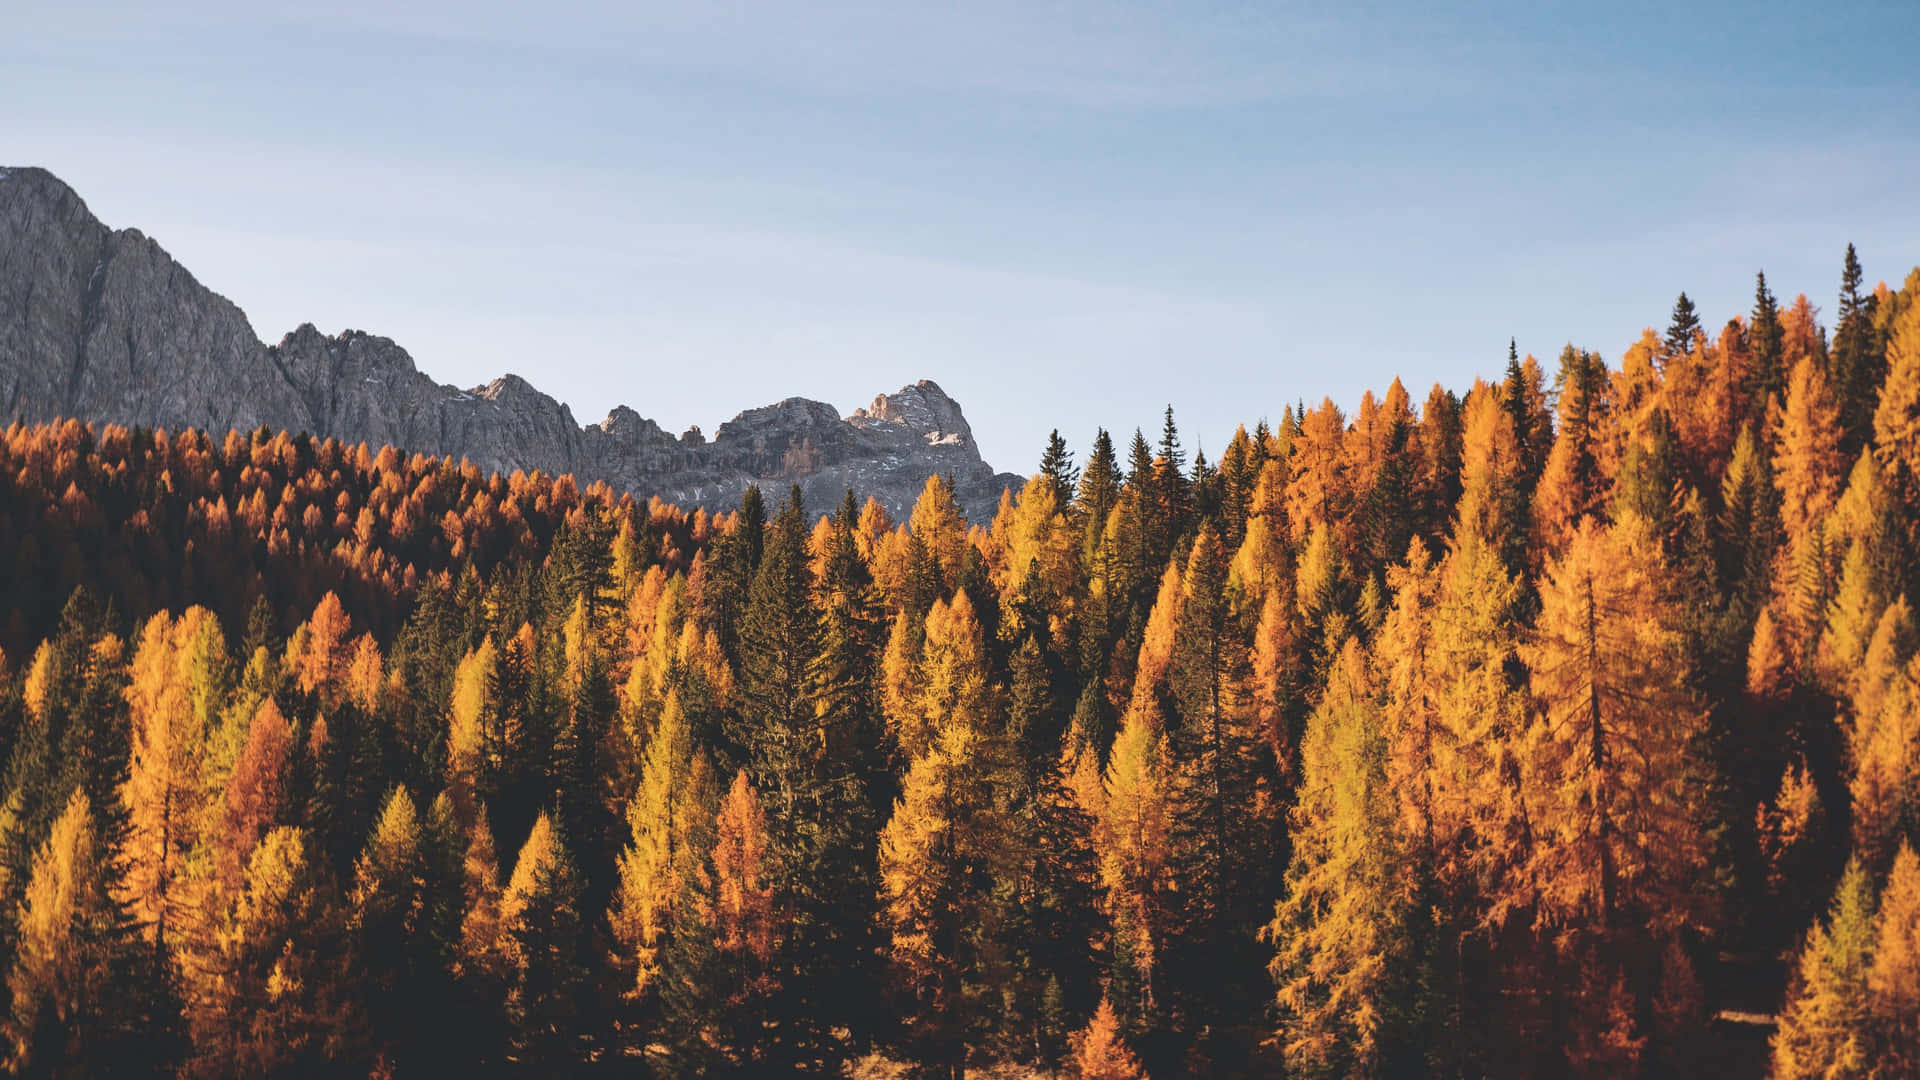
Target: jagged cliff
{"type": "Point", "coordinates": [103, 325]}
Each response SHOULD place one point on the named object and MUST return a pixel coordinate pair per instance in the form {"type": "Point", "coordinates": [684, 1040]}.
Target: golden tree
{"type": "Point", "coordinates": [1319, 491]}
{"type": "Point", "coordinates": [1896, 421]}
{"type": "Point", "coordinates": [254, 795]}
{"type": "Point", "coordinates": [939, 855]}
{"type": "Point", "coordinates": [1605, 763]}
{"type": "Point", "coordinates": [1823, 1031]}
{"type": "Point", "coordinates": [744, 919]}
{"type": "Point", "coordinates": [671, 823]}
{"type": "Point", "coordinates": [62, 984]}
{"type": "Point", "coordinates": [945, 675]}
{"type": "Point", "coordinates": [940, 527]}
{"type": "Point", "coordinates": [279, 990]}
{"type": "Point", "coordinates": [164, 793]}
{"type": "Point", "coordinates": [323, 663]}
{"type": "Point", "coordinates": [1100, 1050]}
{"type": "Point", "coordinates": [1807, 463]}
{"type": "Point", "coordinates": [1893, 979]}
{"type": "Point", "coordinates": [1340, 934]}
{"type": "Point", "coordinates": [1491, 497]}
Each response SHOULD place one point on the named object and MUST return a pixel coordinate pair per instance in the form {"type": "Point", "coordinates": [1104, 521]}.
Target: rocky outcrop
{"type": "Point", "coordinates": [104, 325]}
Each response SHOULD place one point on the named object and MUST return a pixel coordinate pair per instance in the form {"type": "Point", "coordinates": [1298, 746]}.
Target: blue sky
{"type": "Point", "coordinates": [1067, 214]}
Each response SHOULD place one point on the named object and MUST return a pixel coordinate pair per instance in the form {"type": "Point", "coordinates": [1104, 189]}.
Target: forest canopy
{"type": "Point", "coordinates": [1566, 725]}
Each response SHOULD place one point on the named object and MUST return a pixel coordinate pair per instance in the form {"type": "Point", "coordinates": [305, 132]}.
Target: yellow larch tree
{"type": "Point", "coordinates": [1274, 677]}
{"type": "Point", "coordinates": [1807, 463]}
{"type": "Point", "coordinates": [1100, 1050]}
{"type": "Point", "coordinates": [1605, 763]}
{"type": "Point", "coordinates": [322, 663]}
{"type": "Point", "coordinates": [1893, 979]}
{"type": "Point", "coordinates": [482, 956]}
{"type": "Point", "coordinates": [1318, 492]}
{"type": "Point", "coordinates": [1132, 837]}
{"type": "Point", "coordinates": [1340, 933]}
{"type": "Point", "coordinates": [1896, 421]}
{"type": "Point", "coordinates": [670, 819]}
{"type": "Point", "coordinates": [1260, 566]}
{"type": "Point", "coordinates": [1884, 739]}
{"type": "Point", "coordinates": [279, 991]}
{"type": "Point", "coordinates": [466, 738]}
{"type": "Point", "coordinates": [254, 795]}
{"type": "Point", "coordinates": [940, 854]}
{"type": "Point", "coordinates": [1701, 397]}
{"type": "Point", "coordinates": [1156, 649]}
{"type": "Point", "coordinates": [365, 676]}
{"type": "Point", "coordinates": [1490, 473]}
{"type": "Point", "coordinates": [1823, 1030]}
{"type": "Point", "coordinates": [62, 983]}
{"type": "Point", "coordinates": [1039, 539]}
{"type": "Point", "coordinates": [1865, 512]}
{"type": "Point", "coordinates": [940, 527]}
{"type": "Point", "coordinates": [744, 919]}
{"type": "Point", "coordinates": [163, 794]}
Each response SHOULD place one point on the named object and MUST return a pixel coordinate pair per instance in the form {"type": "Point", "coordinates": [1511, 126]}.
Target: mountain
{"type": "Point", "coordinates": [102, 324]}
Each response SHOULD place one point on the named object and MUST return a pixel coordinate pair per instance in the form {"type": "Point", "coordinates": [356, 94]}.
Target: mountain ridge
{"type": "Point", "coordinates": [104, 325]}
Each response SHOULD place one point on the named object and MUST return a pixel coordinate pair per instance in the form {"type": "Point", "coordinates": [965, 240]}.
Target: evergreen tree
{"type": "Point", "coordinates": [1858, 365]}
{"type": "Point", "coordinates": [718, 1012]}
{"type": "Point", "coordinates": [1767, 376]}
{"type": "Point", "coordinates": [1099, 489]}
{"type": "Point", "coordinates": [1749, 527]}
{"type": "Point", "coordinates": [816, 827]}
{"type": "Point", "coordinates": [406, 908]}
{"type": "Point", "coordinates": [1525, 400]}
{"type": "Point", "coordinates": [736, 560]}
{"type": "Point", "coordinates": [1172, 489]}
{"type": "Point", "coordinates": [1056, 467]}
{"type": "Point", "coordinates": [1220, 803]}
{"type": "Point", "coordinates": [1682, 328]}
{"type": "Point", "coordinates": [1139, 474]}
{"type": "Point", "coordinates": [1572, 485]}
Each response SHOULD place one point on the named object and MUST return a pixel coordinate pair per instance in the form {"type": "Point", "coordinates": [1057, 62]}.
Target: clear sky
{"type": "Point", "coordinates": [1068, 214]}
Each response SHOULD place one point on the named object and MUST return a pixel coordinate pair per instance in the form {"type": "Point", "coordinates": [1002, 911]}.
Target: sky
{"type": "Point", "coordinates": [1070, 215]}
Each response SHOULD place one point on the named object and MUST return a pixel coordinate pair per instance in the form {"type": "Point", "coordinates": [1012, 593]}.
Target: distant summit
{"type": "Point", "coordinates": [103, 325]}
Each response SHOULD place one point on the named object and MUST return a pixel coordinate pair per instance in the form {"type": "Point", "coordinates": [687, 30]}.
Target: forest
{"type": "Point", "coordinates": [1565, 726]}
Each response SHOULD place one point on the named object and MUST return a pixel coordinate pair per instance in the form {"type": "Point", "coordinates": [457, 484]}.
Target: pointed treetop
{"type": "Point", "coordinates": [1170, 443]}
{"type": "Point", "coordinates": [1056, 466]}
{"type": "Point", "coordinates": [1682, 328]}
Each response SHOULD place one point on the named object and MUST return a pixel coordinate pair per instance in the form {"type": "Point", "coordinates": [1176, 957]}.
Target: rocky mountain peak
{"type": "Point", "coordinates": [103, 325]}
{"type": "Point", "coordinates": [922, 408]}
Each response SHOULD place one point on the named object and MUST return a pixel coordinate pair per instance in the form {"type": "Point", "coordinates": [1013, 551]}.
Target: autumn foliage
{"type": "Point", "coordinates": [1566, 726]}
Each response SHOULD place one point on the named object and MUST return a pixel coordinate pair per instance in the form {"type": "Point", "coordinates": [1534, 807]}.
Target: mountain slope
{"type": "Point", "coordinates": [104, 325]}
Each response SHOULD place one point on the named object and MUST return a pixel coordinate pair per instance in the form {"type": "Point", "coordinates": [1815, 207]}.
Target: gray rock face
{"type": "Point", "coordinates": [103, 325]}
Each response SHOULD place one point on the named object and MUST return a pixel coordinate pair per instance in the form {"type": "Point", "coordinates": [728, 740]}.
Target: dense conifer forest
{"type": "Point", "coordinates": [1569, 725]}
